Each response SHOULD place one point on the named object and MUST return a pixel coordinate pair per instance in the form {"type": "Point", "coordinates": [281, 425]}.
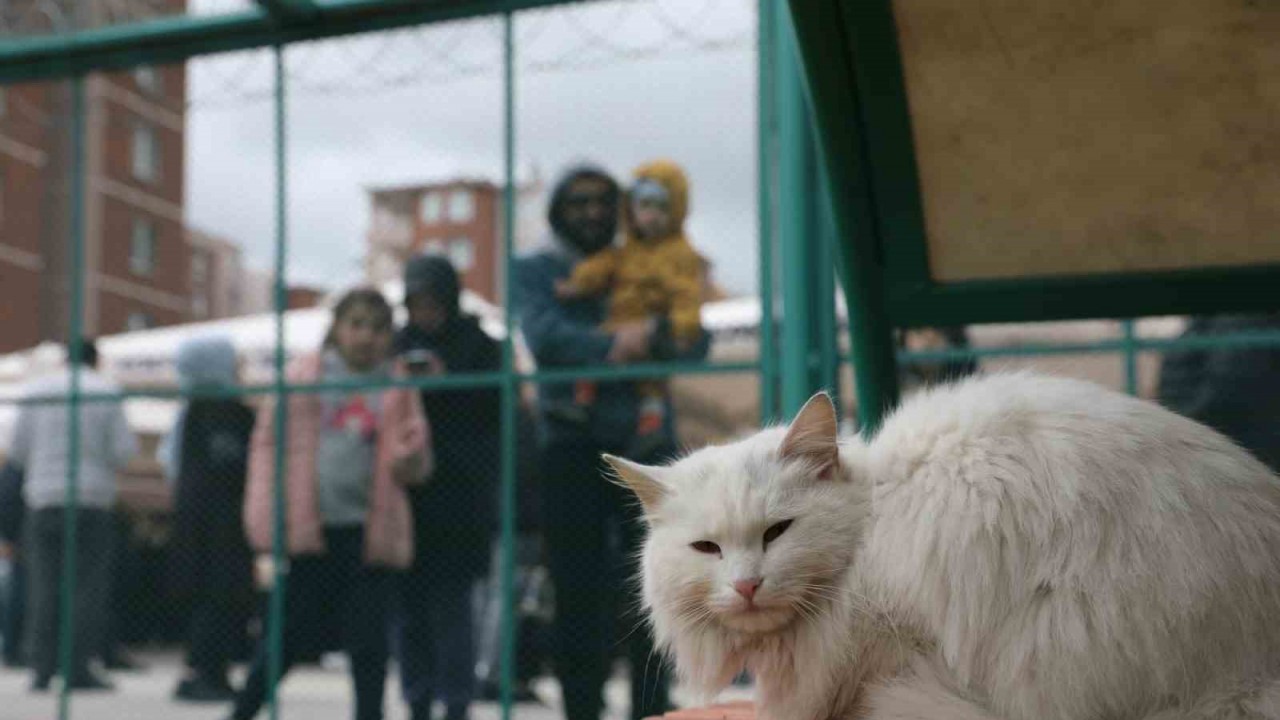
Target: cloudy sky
{"type": "Point", "coordinates": [617, 82]}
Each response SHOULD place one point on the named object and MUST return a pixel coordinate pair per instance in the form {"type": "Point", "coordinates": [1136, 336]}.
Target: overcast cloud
{"type": "Point", "coordinates": [426, 105]}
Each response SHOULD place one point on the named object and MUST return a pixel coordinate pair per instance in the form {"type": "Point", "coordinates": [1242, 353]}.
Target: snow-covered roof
{"type": "Point", "coordinates": [145, 358]}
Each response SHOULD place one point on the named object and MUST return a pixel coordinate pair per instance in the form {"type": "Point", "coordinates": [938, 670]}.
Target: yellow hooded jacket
{"type": "Point", "coordinates": [651, 277]}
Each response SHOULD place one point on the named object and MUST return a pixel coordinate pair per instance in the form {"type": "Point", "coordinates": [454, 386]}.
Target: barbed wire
{"type": "Point", "coordinates": [567, 38]}
{"type": "Point", "coordinates": [559, 39]}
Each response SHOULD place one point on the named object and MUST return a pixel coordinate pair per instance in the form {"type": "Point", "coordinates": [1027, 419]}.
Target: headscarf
{"type": "Point", "coordinates": [202, 363]}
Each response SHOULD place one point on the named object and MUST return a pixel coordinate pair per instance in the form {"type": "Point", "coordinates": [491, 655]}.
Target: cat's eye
{"type": "Point", "coordinates": [706, 547]}
{"type": "Point", "coordinates": [775, 531]}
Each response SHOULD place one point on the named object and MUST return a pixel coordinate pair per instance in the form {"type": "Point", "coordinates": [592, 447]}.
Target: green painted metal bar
{"type": "Point", "coordinates": [286, 10]}
{"type": "Point", "coordinates": [510, 390]}
{"type": "Point", "coordinates": [826, 330]}
{"type": "Point", "coordinates": [279, 552]}
{"type": "Point", "coordinates": [766, 194]}
{"type": "Point", "coordinates": [1130, 358]}
{"type": "Point", "coordinates": [458, 381]}
{"type": "Point", "coordinates": [838, 117]}
{"type": "Point", "coordinates": [177, 38]}
{"type": "Point", "coordinates": [75, 357]}
{"type": "Point", "coordinates": [797, 221]}
{"type": "Point", "coordinates": [1191, 292]}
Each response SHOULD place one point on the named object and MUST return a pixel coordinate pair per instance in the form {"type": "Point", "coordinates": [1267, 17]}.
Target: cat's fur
{"type": "Point", "coordinates": [1015, 547]}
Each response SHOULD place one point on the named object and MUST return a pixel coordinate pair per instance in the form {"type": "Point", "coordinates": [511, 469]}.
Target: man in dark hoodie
{"type": "Point", "coordinates": [592, 530]}
{"type": "Point", "coordinates": [1234, 390]}
{"type": "Point", "coordinates": [455, 512]}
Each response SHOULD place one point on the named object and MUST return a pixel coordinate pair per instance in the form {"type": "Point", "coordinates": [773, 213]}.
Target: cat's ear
{"type": "Point", "coordinates": [812, 436]}
{"type": "Point", "coordinates": [642, 480]}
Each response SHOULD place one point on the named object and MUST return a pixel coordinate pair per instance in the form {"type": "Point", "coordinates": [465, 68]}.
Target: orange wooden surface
{"type": "Point", "coordinates": [729, 711]}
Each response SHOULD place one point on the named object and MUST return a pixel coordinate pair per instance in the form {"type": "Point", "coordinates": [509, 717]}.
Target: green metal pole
{"type": "Point", "coordinates": [279, 555]}
{"type": "Point", "coordinates": [510, 388]}
{"type": "Point", "coordinates": [75, 354]}
{"type": "Point", "coordinates": [1130, 358]}
{"type": "Point", "coordinates": [797, 222]}
{"type": "Point", "coordinates": [840, 125]}
{"type": "Point", "coordinates": [766, 194]}
{"type": "Point", "coordinates": [826, 331]}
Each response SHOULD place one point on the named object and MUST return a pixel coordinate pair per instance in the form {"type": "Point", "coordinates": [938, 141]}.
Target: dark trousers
{"type": "Point", "coordinates": [336, 589]}
{"type": "Point", "coordinates": [45, 555]}
{"type": "Point", "coordinates": [15, 612]}
{"type": "Point", "coordinates": [435, 642]}
{"type": "Point", "coordinates": [592, 533]}
{"type": "Point", "coordinates": [217, 624]}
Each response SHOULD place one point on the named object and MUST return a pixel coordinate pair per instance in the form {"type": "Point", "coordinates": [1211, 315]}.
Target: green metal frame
{"type": "Point", "coordinates": [856, 80]}
{"type": "Point", "coordinates": [276, 24]}
{"type": "Point", "coordinates": [280, 22]}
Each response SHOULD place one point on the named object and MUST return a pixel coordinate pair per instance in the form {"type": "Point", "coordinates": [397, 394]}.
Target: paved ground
{"type": "Point", "coordinates": [309, 694]}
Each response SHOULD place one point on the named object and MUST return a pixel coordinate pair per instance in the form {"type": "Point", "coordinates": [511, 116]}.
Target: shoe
{"type": "Point", "coordinates": [91, 682]}
{"type": "Point", "coordinates": [203, 690]}
{"type": "Point", "coordinates": [40, 683]}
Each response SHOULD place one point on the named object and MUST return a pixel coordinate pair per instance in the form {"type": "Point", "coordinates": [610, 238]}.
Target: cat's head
{"type": "Point", "coordinates": [746, 540]}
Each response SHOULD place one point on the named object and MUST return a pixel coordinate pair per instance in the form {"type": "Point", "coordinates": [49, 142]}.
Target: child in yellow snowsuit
{"type": "Point", "coordinates": [655, 273]}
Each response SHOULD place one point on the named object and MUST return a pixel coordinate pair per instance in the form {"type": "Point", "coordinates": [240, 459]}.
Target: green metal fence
{"type": "Point", "coordinates": [798, 258]}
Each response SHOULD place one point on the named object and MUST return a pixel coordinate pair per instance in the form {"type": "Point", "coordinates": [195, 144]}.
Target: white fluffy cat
{"type": "Point", "coordinates": [1014, 547]}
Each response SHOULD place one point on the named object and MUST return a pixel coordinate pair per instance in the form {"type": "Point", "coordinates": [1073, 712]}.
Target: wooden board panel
{"type": "Point", "coordinates": [1099, 136]}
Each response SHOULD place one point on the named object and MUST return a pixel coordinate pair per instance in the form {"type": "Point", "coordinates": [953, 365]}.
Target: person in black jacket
{"type": "Point", "coordinates": [12, 511]}
{"type": "Point", "coordinates": [210, 564]}
{"type": "Point", "coordinates": [455, 511]}
{"type": "Point", "coordinates": [1234, 390]}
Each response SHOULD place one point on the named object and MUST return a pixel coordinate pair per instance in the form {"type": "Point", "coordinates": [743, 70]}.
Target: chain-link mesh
{"type": "Point", "coordinates": [387, 593]}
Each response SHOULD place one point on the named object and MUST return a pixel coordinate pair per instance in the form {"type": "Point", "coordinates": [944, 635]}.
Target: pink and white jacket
{"type": "Point", "coordinates": [403, 457]}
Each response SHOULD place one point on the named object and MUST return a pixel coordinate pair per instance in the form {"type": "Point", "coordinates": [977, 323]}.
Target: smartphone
{"type": "Point", "coordinates": [421, 361]}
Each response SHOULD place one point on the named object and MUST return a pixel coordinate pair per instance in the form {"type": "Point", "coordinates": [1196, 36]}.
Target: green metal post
{"type": "Point", "coordinates": [842, 135]}
{"type": "Point", "coordinates": [279, 555]}
{"type": "Point", "coordinates": [1130, 358]}
{"type": "Point", "coordinates": [766, 194]}
{"type": "Point", "coordinates": [826, 328]}
{"type": "Point", "coordinates": [510, 388]}
{"type": "Point", "coordinates": [75, 354]}
{"type": "Point", "coordinates": [798, 225]}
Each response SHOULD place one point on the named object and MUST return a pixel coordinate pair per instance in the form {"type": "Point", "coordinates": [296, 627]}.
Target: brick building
{"type": "Point", "coordinates": [137, 260]}
{"type": "Point", "coordinates": [460, 218]}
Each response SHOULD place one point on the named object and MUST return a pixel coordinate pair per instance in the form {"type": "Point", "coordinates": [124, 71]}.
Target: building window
{"type": "Point", "coordinates": [146, 153]}
{"type": "Point", "coordinates": [462, 206]}
{"type": "Point", "coordinates": [148, 79]}
{"type": "Point", "coordinates": [137, 321]}
{"type": "Point", "coordinates": [432, 207]}
{"type": "Point", "coordinates": [142, 247]}
{"type": "Point", "coordinates": [199, 268]}
{"type": "Point", "coordinates": [462, 253]}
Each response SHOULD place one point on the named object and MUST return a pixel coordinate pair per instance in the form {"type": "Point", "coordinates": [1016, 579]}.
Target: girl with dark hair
{"type": "Point", "coordinates": [349, 456]}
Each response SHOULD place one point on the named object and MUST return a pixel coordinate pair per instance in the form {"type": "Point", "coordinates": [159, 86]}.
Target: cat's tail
{"type": "Point", "coordinates": [919, 694]}
{"type": "Point", "coordinates": [1253, 701]}
{"type": "Point", "coordinates": [924, 695]}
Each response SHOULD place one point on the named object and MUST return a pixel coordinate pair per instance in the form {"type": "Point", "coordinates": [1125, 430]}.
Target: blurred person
{"type": "Point", "coordinates": [1234, 390]}
{"type": "Point", "coordinates": [209, 563]}
{"type": "Point", "coordinates": [40, 446]}
{"type": "Point", "coordinates": [455, 514]}
{"type": "Point", "coordinates": [12, 513]}
{"type": "Point", "coordinates": [934, 372]}
{"type": "Point", "coordinates": [655, 275]}
{"type": "Point", "coordinates": [350, 456]}
{"type": "Point", "coordinates": [592, 529]}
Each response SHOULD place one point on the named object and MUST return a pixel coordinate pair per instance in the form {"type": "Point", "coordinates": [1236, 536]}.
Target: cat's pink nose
{"type": "Point", "coordinates": [747, 588]}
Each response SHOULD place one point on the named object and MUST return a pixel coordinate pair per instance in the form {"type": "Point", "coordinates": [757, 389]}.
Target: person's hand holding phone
{"type": "Point", "coordinates": [424, 362]}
